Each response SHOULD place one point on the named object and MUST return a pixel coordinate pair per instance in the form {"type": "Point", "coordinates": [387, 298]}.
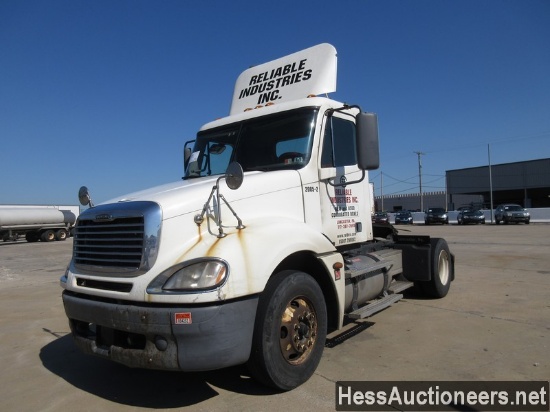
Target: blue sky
{"type": "Point", "coordinates": [105, 93]}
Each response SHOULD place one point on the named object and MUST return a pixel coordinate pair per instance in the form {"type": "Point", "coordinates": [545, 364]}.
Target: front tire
{"type": "Point", "coordinates": [290, 331]}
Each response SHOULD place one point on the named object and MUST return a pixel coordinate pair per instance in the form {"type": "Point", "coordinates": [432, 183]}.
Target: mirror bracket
{"type": "Point", "coordinates": [234, 176]}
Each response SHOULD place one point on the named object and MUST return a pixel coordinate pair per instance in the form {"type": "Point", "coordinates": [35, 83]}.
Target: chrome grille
{"type": "Point", "coordinates": [118, 243]}
{"type": "Point", "coordinates": [121, 239]}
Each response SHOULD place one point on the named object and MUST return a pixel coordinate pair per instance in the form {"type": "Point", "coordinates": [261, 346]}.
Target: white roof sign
{"type": "Point", "coordinates": [310, 71]}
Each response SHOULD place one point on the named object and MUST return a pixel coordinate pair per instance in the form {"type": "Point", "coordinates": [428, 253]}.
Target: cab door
{"type": "Point", "coordinates": [344, 189]}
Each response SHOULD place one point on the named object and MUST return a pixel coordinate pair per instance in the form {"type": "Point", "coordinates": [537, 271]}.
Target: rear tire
{"type": "Point", "coordinates": [442, 270]}
{"type": "Point", "coordinates": [47, 236]}
{"type": "Point", "coordinates": [290, 331]}
{"type": "Point", "coordinates": [61, 234]}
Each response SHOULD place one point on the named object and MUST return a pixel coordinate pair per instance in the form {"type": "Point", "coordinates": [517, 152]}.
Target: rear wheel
{"type": "Point", "coordinates": [47, 236]}
{"type": "Point", "coordinates": [442, 270]}
{"type": "Point", "coordinates": [61, 234]}
{"type": "Point", "coordinates": [290, 331]}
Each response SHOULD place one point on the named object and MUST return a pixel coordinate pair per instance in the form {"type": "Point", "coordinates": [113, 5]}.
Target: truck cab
{"type": "Point", "coordinates": [264, 247]}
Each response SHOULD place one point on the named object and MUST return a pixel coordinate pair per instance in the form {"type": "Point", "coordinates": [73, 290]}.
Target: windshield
{"type": "Point", "coordinates": [514, 208]}
{"type": "Point", "coordinates": [279, 141]}
{"type": "Point", "coordinates": [472, 212]}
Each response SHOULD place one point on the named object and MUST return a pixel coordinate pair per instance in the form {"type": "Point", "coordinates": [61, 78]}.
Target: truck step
{"type": "Point", "coordinates": [347, 332]}
{"type": "Point", "coordinates": [399, 286]}
{"type": "Point", "coordinates": [375, 306]}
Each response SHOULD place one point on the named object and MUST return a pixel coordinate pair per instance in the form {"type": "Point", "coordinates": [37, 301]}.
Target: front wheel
{"type": "Point", "coordinates": [290, 331]}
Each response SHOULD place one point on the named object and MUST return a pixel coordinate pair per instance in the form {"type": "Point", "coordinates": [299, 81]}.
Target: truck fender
{"type": "Point", "coordinates": [295, 246]}
{"type": "Point", "coordinates": [256, 252]}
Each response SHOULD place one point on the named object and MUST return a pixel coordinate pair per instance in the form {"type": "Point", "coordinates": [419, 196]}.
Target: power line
{"type": "Point", "coordinates": [510, 139]}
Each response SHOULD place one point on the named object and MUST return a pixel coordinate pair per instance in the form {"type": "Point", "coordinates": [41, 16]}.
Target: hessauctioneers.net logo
{"type": "Point", "coordinates": [442, 396]}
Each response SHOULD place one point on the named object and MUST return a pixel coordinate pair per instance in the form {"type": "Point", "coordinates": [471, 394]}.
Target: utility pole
{"type": "Point", "coordinates": [381, 193]}
{"type": "Point", "coordinates": [420, 179]}
{"type": "Point", "coordinates": [490, 181]}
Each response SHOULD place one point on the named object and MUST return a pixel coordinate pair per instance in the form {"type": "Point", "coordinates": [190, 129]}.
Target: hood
{"type": "Point", "coordinates": [189, 196]}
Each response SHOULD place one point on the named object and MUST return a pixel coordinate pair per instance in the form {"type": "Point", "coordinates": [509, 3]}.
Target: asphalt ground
{"type": "Point", "coordinates": [494, 325]}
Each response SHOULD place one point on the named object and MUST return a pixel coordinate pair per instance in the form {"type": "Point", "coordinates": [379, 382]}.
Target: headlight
{"type": "Point", "coordinates": [191, 276]}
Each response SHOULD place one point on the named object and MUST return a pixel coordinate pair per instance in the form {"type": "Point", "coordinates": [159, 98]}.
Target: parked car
{"type": "Point", "coordinates": [436, 215]}
{"type": "Point", "coordinates": [380, 217]}
{"type": "Point", "coordinates": [466, 216]}
{"type": "Point", "coordinates": [403, 217]}
{"type": "Point", "coordinates": [510, 212]}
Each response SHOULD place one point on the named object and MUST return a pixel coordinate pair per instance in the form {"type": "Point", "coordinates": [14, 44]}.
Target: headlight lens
{"type": "Point", "coordinates": [191, 276]}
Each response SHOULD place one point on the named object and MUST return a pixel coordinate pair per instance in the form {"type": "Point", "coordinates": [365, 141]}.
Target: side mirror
{"type": "Point", "coordinates": [84, 197]}
{"type": "Point", "coordinates": [368, 151]}
{"type": "Point", "coordinates": [234, 175]}
{"type": "Point", "coordinates": [187, 151]}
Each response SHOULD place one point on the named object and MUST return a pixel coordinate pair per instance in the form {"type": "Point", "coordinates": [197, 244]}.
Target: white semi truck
{"type": "Point", "coordinates": [36, 223]}
{"type": "Point", "coordinates": [265, 246]}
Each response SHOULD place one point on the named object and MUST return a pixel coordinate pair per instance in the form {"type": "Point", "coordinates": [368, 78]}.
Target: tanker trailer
{"type": "Point", "coordinates": [40, 223]}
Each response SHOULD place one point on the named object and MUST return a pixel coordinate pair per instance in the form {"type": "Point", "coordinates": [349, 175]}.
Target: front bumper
{"type": "Point", "coordinates": [473, 220]}
{"type": "Point", "coordinates": [185, 338]}
{"type": "Point", "coordinates": [437, 219]}
{"type": "Point", "coordinates": [517, 219]}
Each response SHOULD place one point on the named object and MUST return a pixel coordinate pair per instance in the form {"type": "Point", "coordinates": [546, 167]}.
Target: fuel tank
{"type": "Point", "coordinates": [369, 275]}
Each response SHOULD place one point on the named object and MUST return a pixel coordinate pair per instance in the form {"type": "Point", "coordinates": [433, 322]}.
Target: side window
{"type": "Point", "coordinates": [339, 143]}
